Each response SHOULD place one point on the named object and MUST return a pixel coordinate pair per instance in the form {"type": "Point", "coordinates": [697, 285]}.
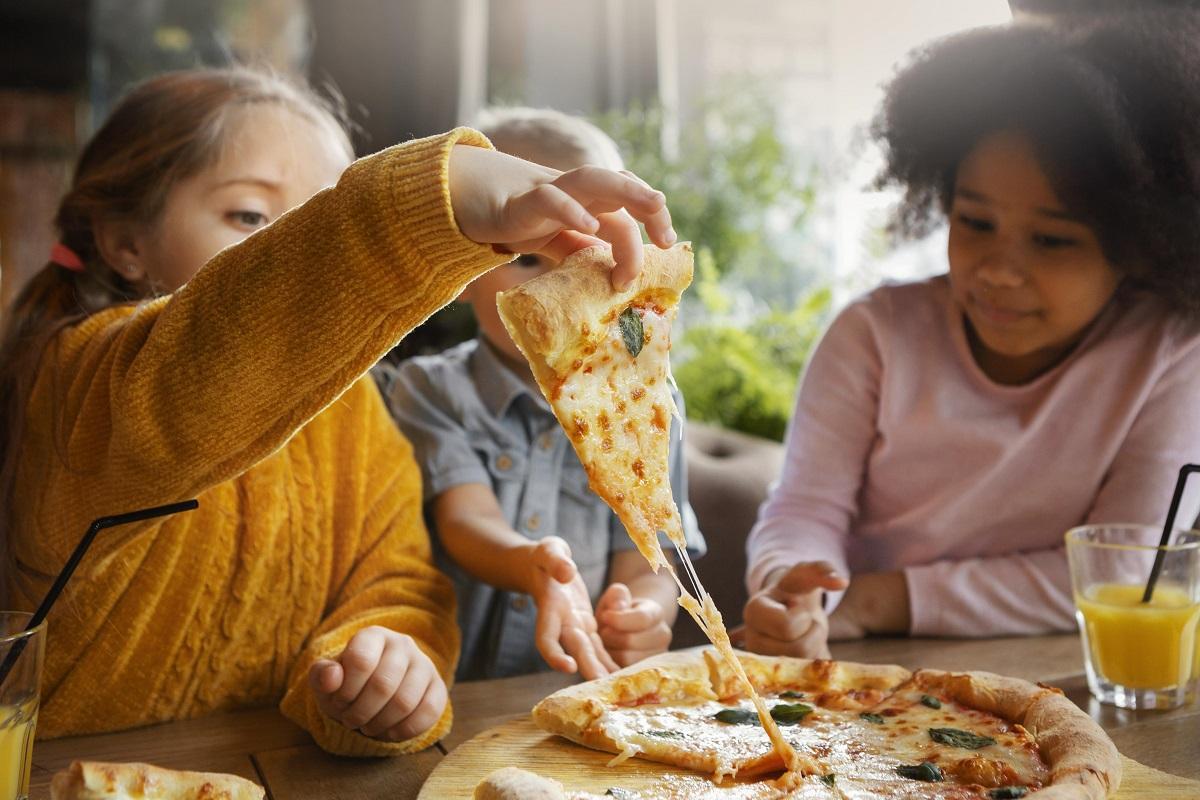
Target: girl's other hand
{"type": "Point", "coordinates": [631, 628]}
{"type": "Point", "coordinates": [526, 208]}
{"type": "Point", "coordinates": [567, 635]}
{"type": "Point", "coordinates": [876, 602]}
{"type": "Point", "coordinates": [381, 685]}
{"type": "Point", "coordinates": [786, 617]}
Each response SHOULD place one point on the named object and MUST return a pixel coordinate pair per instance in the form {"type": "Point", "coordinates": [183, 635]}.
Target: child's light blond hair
{"type": "Point", "coordinates": [548, 137]}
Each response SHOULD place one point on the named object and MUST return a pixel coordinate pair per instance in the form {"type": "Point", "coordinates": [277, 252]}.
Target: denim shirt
{"type": "Point", "coordinates": [471, 419]}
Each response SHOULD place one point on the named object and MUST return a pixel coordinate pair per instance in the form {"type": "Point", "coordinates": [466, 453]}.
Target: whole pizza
{"type": "Point", "coordinates": [874, 730]}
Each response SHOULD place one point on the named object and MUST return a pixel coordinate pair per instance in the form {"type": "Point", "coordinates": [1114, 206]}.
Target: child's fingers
{"type": "Point", "coordinates": [547, 202]}
{"type": "Point", "coordinates": [602, 653]}
{"type": "Point", "coordinates": [656, 636]}
{"type": "Point", "coordinates": [601, 191]}
{"type": "Point", "coordinates": [325, 676]}
{"type": "Point", "coordinates": [634, 618]}
{"type": "Point", "coordinates": [404, 700]}
{"type": "Point", "coordinates": [808, 576]}
{"type": "Point", "coordinates": [812, 644]}
{"type": "Point", "coordinates": [428, 711]}
{"type": "Point", "coordinates": [579, 644]}
{"type": "Point", "coordinates": [561, 246]}
{"type": "Point", "coordinates": [381, 686]}
{"type": "Point", "coordinates": [549, 628]}
{"type": "Point", "coordinates": [622, 232]}
{"type": "Point", "coordinates": [358, 661]}
{"type": "Point", "coordinates": [768, 617]}
{"type": "Point", "coordinates": [553, 556]}
{"type": "Point", "coordinates": [615, 598]}
{"type": "Point", "coordinates": [657, 220]}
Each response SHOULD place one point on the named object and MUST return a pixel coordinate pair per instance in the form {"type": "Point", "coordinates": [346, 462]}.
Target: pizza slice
{"type": "Point", "coordinates": [601, 359]}
{"type": "Point", "coordinates": [96, 780]}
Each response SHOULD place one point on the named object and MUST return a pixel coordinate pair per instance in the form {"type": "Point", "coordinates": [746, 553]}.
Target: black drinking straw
{"type": "Point", "coordinates": [1168, 526]}
{"type": "Point", "coordinates": [73, 562]}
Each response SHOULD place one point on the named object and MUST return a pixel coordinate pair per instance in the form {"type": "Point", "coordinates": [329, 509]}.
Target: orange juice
{"type": "Point", "coordinates": [16, 749]}
{"type": "Point", "coordinates": [1141, 645]}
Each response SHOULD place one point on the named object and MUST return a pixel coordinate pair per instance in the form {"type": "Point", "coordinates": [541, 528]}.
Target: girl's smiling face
{"type": "Point", "coordinates": [1029, 276]}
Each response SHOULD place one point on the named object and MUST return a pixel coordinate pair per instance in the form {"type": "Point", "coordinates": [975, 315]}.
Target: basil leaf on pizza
{"type": "Point", "coordinates": [790, 714]}
{"type": "Point", "coordinates": [958, 738]}
{"type": "Point", "coordinates": [632, 331]}
{"type": "Point", "coordinates": [924, 771]}
{"type": "Point", "coordinates": [736, 716]}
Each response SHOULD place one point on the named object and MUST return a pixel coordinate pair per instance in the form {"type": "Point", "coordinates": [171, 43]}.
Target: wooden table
{"type": "Point", "coordinates": [265, 747]}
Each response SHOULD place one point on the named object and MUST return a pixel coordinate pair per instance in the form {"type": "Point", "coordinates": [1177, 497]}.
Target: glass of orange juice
{"type": "Point", "coordinates": [19, 700]}
{"type": "Point", "coordinates": [1138, 653]}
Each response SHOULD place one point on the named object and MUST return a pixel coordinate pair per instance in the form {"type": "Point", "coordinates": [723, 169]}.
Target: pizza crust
{"type": "Point", "coordinates": [555, 316]}
{"type": "Point", "coordinates": [773, 673]}
{"type": "Point", "coordinates": [671, 676]}
{"type": "Point", "coordinates": [98, 780]}
{"type": "Point", "coordinates": [1083, 761]}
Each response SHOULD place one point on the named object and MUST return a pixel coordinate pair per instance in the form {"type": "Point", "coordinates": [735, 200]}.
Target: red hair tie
{"type": "Point", "coordinates": [66, 257]}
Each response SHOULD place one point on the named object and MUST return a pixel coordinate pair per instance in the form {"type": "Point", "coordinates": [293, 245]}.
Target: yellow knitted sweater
{"type": "Point", "coordinates": [244, 389]}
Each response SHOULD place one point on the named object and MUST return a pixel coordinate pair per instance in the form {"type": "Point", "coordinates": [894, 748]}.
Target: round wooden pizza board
{"type": "Point", "coordinates": [519, 743]}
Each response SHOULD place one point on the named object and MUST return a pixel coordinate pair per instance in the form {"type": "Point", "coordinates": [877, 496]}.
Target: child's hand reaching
{"type": "Point", "coordinates": [786, 616]}
{"type": "Point", "coordinates": [631, 628]}
{"type": "Point", "coordinates": [381, 685]}
{"type": "Point", "coordinates": [527, 208]}
{"type": "Point", "coordinates": [566, 629]}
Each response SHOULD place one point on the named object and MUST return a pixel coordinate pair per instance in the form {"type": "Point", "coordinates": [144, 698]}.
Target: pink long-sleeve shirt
{"type": "Point", "coordinates": [903, 455]}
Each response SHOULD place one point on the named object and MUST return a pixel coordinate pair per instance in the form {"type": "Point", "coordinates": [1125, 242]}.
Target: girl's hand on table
{"type": "Point", "coordinates": [527, 208]}
{"type": "Point", "coordinates": [567, 635]}
{"type": "Point", "coordinates": [632, 628]}
{"type": "Point", "coordinates": [786, 617]}
{"type": "Point", "coordinates": [875, 602]}
{"type": "Point", "coordinates": [381, 685]}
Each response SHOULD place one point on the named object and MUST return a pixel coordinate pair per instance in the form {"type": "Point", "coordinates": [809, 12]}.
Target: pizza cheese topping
{"type": "Point", "coordinates": [967, 752]}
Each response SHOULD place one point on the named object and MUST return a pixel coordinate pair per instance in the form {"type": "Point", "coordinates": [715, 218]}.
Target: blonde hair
{"type": "Point", "coordinates": [548, 137]}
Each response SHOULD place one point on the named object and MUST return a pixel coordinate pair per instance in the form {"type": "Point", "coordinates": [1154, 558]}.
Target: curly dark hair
{"type": "Point", "coordinates": [1112, 109]}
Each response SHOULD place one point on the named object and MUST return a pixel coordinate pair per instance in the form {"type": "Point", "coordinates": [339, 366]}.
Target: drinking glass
{"type": "Point", "coordinates": [1138, 654]}
{"type": "Point", "coordinates": [19, 700]}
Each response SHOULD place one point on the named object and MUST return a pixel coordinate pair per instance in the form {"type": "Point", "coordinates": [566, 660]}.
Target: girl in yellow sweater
{"type": "Point", "coordinates": [159, 357]}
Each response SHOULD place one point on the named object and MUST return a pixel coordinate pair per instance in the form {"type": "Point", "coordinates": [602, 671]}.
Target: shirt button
{"type": "Point", "coordinates": [546, 441]}
{"type": "Point", "coordinates": [504, 463]}
{"type": "Point", "coordinates": [520, 602]}
{"type": "Point", "coordinates": [533, 523]}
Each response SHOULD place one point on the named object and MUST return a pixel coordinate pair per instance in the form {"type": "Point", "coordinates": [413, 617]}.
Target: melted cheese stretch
{"type": "Point", "coordinates": [616, 408]}
{"type": "Point", "coordinates": [709, 619]}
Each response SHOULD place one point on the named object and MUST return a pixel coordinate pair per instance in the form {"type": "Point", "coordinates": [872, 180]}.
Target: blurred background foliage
{"type": "Point", "coordinates": [744, 376]}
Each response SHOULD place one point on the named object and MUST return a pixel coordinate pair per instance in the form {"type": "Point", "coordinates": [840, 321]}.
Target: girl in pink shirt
{"type": "Point", "coordinates": [948, 432]}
